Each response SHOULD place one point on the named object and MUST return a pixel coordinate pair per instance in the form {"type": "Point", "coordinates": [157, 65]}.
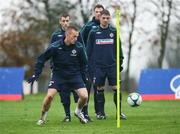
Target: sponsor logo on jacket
{"type": "Point", "coordinates": [104, 41]}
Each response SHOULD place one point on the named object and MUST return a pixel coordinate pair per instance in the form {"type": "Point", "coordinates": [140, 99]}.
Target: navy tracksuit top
{"type": "Point", "coordinates": [87, 28]}
{"type": "Point", "coordinates": [67, 61]}
{"type": "Point", "coordinates": [57, 35]}
{"type": "Point", "coordinates": [101, 47]}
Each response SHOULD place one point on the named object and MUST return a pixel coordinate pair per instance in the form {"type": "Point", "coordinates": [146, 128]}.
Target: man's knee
{"type": "Point", "coordinates": [114, 88]}
{"type": "Point", "coordinates": [83, 94]}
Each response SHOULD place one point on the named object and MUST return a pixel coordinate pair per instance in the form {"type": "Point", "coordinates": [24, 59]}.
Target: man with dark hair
{"type": "Point", "coordinates": [84, 33]}
{"type": "Point", "coordinates": [101, 49]}
{"type": "Point", "coordinates": [91, 24]}
{"type": "Point", "coordinates": [58, 34]}
{"type": "Point", "coordinates": [69, 69]}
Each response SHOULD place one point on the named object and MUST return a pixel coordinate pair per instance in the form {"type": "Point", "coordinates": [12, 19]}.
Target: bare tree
{"type": "Point", "coordinates": [85, 8]}
{"type": "Point", "coordinates": [164, 12]}
{"type": "Point", "coordinates": [165, 19]}
{"type": "Point", "coordinates": [132, 20]}
{"type": "Point", "coordinates": [30, 28]}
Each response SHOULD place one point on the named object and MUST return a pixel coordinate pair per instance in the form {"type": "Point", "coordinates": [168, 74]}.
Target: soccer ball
{"type": "Point", "coordinates": [134, 99]}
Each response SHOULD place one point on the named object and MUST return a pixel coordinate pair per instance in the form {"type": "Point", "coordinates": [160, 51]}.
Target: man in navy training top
{"type": "Point", "coordinates": [57, 36]}
{"type": "Point", "coordinates": [69, 70]}
{"type": "Point", "coordinates": [101, 49]}
{"type": "Point", "coordinates": [85, 32]}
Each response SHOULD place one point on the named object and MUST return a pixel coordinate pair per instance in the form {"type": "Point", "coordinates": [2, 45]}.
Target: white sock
{"type": "Point", "coordinates": [45, 116]}
{"type": "Point", "coordinates": [77, 110]}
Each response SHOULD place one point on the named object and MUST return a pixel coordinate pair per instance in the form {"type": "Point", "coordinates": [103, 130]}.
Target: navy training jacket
{"type": "Point", "coordinates": [67, 61]}
{"type": "Point", "coordinates": [57, 35]}
{"type": "Point", "coordinates": [101, 47]}
{"type": "Point", "coordinates": [87, 28]}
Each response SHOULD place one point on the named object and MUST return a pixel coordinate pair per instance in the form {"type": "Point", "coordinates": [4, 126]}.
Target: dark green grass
{"type": "Point", "coordinates": [152, 117]}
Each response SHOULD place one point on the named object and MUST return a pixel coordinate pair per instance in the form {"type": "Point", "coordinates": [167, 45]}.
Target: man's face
{"type": "Point", "coordinates": [104, 20]}
{"type": "Point", "coordinates": [97, 13]}
{"type": "Point", "coordinates": [64, 22]}
{"type": "Point", "coordinates": [72, 36]}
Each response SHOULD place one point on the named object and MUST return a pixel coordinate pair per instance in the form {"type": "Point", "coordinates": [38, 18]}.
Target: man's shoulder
{"type": "Point", "coordinates": [57, 31]}
{"type": "Point", "coordinates": [90, 25]}
{"type": "Point", "coordinates": [112, 28]}
{"type": "Point", "coordinates": [56, 44]}
{"type": "Point", "coordinates": [79, 45]}
{"type": "Point", "coordinates": [96, 29]}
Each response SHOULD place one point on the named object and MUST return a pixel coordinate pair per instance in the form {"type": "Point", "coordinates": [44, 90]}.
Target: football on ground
{"type": "Point", "coordinates": [134, 99]}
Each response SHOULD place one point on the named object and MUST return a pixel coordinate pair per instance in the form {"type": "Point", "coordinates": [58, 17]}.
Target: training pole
{"type": "Point", "coordinates": [118, 64]}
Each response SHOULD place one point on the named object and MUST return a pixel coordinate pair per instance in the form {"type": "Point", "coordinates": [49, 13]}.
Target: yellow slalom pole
{"type": "Point", "coordinates": [118, 64]}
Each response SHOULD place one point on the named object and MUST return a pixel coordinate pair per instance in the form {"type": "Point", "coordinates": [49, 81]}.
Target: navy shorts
{"type": "Point", "coordinates": [72, 83]}
{"type": "Point", "coordinates": [65, 86]}
{"type": "Point", "coordinates": [102, 73]}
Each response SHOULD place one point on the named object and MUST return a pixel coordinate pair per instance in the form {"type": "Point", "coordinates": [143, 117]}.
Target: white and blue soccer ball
{"type": "Point", "coordinates": [134, 99]}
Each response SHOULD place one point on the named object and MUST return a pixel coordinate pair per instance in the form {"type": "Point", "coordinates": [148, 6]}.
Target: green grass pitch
{"type": "Point", "coordinates": [152, 117]}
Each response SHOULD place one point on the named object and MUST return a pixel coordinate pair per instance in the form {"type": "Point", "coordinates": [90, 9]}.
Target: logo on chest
{"type": "Point", "coordinates": [60, 35]}
{"type": "Point", "coordinates": [94, 26]}
{"type": "Point", "coordinates": [104, 41]}
{"type": "Point", "coordinates": [73, 53]}
{"type": "Point", "coordinates": [111, 35]}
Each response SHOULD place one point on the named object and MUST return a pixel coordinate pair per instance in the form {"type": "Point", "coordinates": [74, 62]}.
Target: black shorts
{"type": "Point", "coordinates": [102, 73]}
{"type": "Point", "coordinates": [72, 83]}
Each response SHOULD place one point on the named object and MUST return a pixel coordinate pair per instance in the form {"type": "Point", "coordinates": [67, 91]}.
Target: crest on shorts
{"type": "Point", "coordinates": [51, 83]}
{"type": "Point", "coordinates": [73, 52]}
{"type": "Point", "coordinates": [111, 35]}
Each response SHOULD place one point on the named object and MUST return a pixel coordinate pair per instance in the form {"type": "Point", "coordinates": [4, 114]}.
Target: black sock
{"type": "Point", "coordinates": [85, 110]}
{"type": "Point", "coordinates": [100, 101]}
{"type": "Point", "coordinates": [76, 97]}
{"type": "Point", "coordinates": [115, 99]}
{"type": "Point", "coordinates": [67, 109]}
{"type": "Point", "coordinates": [95, 100]}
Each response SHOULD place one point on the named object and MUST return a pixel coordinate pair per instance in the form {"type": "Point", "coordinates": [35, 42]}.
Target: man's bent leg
{"type": "Point", "coordinates": [85, 108]}
{"type": "Point", "coordinates": [83, 97]}
{"type": "Point", "coordinates": [46, 105]}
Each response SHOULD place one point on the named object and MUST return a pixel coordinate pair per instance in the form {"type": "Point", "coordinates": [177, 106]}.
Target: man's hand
{"type": "Point", "coordinates": [85, 78]}
{"type": "Point", "coordinates": [32, 79]}
{"type": "Point", "coordinates": [121, 68]}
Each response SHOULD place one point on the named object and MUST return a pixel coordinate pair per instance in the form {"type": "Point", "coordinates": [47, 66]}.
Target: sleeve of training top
{"type": "Point", "coordinates": [42, 59]}
{"type": "Point", "coordinates": [90, 44]}
{"type": "Point", "coordinates": [53, 38]}
{"type": "Point", "coordinates": [121, 52]}
{"type": "Point", "coordinates": [121, 57]}
{"type": "Point", "coordinates": [83, 63]}
{"type": "Point", "coordinates": [84, 33]}
{"type": "Point", "coordinates": [80, 39]}
{"type": "Point", "coordinates": [83, 60]}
